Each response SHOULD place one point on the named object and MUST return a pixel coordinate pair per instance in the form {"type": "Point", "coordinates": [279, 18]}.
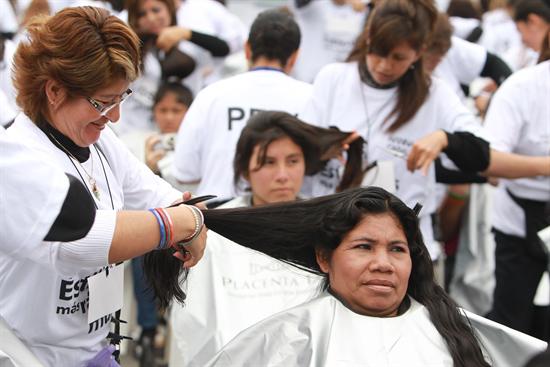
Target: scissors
{"type": "Point", "coordinates": [195, 200]}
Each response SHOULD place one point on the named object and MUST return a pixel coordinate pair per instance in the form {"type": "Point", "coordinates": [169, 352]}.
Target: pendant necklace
{"type": "Point", "coordinates": [91, 179]}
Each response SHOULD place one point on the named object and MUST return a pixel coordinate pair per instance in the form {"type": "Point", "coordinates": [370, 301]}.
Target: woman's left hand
{"type": "Point", "coordinates": [425, 150]}
{"type": "Point", "coordinates": [169, 37]}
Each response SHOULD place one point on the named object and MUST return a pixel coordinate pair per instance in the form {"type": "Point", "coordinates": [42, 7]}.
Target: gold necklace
{"type": "Point", "coordinates": [91, 179]}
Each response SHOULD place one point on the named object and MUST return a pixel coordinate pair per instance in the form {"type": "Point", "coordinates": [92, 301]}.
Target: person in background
{"type": "Point", "coordinates": [169, 107]}
{"type": "Point", "coordinates": [406, 117]}
{"type": "Point", "coordinates": [235, 287]}
{"type": "Point", "coordinates": [532, 19]}
{"type": "Point", "coordinates": [206, 140]}
{"type": "Point", "coordinates": [518, 122]}
{"type": "Point", "coordinates": [163, 57]}
{"type": "Point", "coordinates": [459, 62]}
{"type": "Point", "coordinates": [7, 92]}
{"type": "Point", "coordinates": [329, 30]}
{"type": "Point", "coordinates": [155, 149]}
{"type": "Point", "coordinates": [501, 37]}
{"type": "Point", "coordinates": [210, 17]}
{"type": "Point", "coordinates": [465, 17]}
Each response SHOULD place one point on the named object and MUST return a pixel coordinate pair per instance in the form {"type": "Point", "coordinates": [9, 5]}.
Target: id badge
{"type": "Point", "coordinates": [382, 175]}
{"type": "Point", "coordinates": [106, 292]}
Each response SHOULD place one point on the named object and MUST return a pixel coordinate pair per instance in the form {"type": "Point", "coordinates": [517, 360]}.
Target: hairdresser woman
{"type": "Point", "coordinates": [71, 76]}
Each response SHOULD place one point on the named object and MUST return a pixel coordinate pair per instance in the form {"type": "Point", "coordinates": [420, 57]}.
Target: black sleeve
{"type": "Point", "coordinates": [301, 3]}
{"type": "Point", "coordinates": [216, 46]}
{"type": "Point", "coordinates": [496, 69]}
{"type": "Point", "coordinates": [467, 151]}
{"type": "Point", "coordinates": [450, 177]}
{"type": "Point", "coordinates": [475, 35]}
{"type": "Point", "coordinates": [77, 214]}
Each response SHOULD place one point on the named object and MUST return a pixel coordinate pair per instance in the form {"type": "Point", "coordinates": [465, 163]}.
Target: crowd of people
{"type": "Point", "coordinates": [339, 182]}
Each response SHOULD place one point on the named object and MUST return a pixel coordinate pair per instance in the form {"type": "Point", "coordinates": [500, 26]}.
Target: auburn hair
{"type": "Point", "coordinates": [82, 48]}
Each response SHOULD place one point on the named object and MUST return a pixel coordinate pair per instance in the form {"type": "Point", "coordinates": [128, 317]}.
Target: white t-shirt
{"type": "Point", "coordinates": [7, 90]}
{"type": "Point", "coordinates": [518, 121]}
{"type": "Point", "coordinates": [137, 111]}
{"type": "Point", "coordinates": [230, 289]}
{"type": "Point", "coordinates": [28, 207]}
{"type": "Point", "coordinates": [328, 35]}
{"type": "Point", "coordinates": [207, 138]}
{"type": "Point", "coordinates": [462, 64]}
{"type": "Point", "coordinates": [8, 20]}
{"type": "Point", "coordinates": [501, 37]}
{"type": "Point", "coordinates": [209, 17]}
{"type": "Point", "coordinates": [43, 291]}
{"type": "Point", "coordinates": [463, 27]}
{"type": "Point", "coordinates": [341, 99]}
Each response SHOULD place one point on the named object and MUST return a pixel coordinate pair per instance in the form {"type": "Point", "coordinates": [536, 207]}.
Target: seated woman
{"type": "Point", "coordinates": [234, 287]}
{"type": "Point", "coordinates": [381, 306]}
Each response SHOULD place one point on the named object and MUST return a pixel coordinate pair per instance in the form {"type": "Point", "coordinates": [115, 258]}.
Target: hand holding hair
{"type": "Point", "coordinates": [337, 151]}
{"type": "Point", "coordinates": [169, 37]}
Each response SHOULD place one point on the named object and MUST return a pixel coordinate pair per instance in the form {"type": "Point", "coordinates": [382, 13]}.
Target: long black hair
{"type": "Point", "coordinates": [293, 231]}
{"type": "Point", "coordinates": [316, 143]}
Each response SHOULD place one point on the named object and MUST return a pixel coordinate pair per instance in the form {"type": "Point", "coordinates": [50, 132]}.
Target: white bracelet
{"type": "Point", "coordinates": [199, 223]}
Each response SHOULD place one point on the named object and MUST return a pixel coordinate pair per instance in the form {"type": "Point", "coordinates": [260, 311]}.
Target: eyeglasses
{"type": "Point", "coordinates": [103, 108]}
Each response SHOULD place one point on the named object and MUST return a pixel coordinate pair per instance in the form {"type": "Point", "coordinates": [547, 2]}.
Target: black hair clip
{"type": "Point", "coordinates": [417, 208]}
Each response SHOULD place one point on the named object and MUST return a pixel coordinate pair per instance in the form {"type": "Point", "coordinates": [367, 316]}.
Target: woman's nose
{"type": "Point", "coordinates": [282, 173]}
{"type": "Point", "coordinates": [381, 262]}
{"type": "Point", "coordinates": [114, 114]}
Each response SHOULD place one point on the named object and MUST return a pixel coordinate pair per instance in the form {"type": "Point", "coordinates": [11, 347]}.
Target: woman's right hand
{"type": "Point", "coordinates": [194, 251]}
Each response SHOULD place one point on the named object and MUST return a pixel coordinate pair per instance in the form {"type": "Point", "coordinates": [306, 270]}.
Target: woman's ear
{"type": "Point", "coordinates": [420, 53]}
{"type": "Point", "coordinates": [248, 52]}
{"type": "Point", "coordinates": [55, 93]}
{"type": "Point", "coordinates": [322, 260]}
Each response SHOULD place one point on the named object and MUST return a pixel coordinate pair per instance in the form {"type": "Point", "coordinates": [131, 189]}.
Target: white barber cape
{"type": "Point", "coordinates": [323, 332]}
{"type": "Point", "coordinates": [229, 290]}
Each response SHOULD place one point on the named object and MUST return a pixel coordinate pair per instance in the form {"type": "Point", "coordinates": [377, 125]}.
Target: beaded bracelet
{"type": "Point", "coordinates": [162, 243]}
{"type": "Point", "coordinates": [199, 222]}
